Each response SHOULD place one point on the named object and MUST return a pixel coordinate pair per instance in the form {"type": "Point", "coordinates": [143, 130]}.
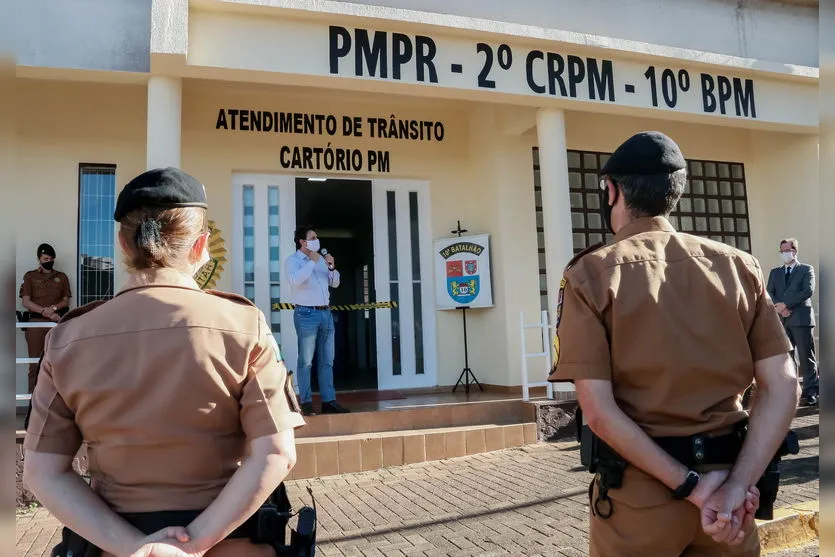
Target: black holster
{"type": "Point", "coordinates": [267, 526]}
{"type": "Point", "coordinates": [769, 483]}
{"type": "Point", "coordinates": [73, 545]}
{"type": "Point", "coordinates": [602, 461]}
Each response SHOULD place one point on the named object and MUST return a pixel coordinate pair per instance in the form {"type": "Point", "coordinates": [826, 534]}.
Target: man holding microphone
{"type": "Point", "coordinates": [311, 274]}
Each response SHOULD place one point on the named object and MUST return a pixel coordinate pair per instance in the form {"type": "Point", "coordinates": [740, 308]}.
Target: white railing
{"type": "Point", "coordinates": [21, 361]}
{"type": "Point", "coordinates": [545, 330]}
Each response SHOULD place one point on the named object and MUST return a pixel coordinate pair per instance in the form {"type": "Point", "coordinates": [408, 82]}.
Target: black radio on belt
{"type": "Point", "coordinates": [271, 524]}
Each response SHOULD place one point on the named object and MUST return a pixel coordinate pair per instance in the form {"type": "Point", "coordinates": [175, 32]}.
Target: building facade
{"type": "Point", "coordinates": [388, 124]}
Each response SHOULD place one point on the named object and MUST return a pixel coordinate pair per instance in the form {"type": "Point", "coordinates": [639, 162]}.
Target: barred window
{"type": "Point", "coordinates": [714, 204]}
{"type": "Point", "coordinates": [96, 231]}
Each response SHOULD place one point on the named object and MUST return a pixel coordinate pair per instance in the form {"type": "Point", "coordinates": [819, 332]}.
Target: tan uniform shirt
{"type": "Point", "coordinates": [166, 383]}
{"type": "Point", "coordinates": [45, 289]}
{"type": "Point", "coordinates": [675, 321]}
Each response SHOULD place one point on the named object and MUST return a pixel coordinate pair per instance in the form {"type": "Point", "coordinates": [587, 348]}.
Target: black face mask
{"type": "Point", "coordinates": [48, 265]}
{"type": "Point", "coordinates": [605, 208]}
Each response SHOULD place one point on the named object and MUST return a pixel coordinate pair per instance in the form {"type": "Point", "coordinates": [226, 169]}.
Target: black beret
{"type": "Point", "coordinates": [645, 153]}
{"type": "Point", "coordinates": [163, 187]}
{"type": "Point", "coordinates": [46, 249]}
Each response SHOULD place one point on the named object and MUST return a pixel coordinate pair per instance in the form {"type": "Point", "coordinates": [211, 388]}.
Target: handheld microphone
{"type": "Point", "coordinates": [324, 252]}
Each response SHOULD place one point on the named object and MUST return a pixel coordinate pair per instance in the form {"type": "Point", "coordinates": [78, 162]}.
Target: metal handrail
{"type": "Point", "coordinates": [19, 361]}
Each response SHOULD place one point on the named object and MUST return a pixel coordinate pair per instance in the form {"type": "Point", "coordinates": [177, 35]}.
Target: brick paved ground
{"type": "Point", "coordinates": [527, 501]}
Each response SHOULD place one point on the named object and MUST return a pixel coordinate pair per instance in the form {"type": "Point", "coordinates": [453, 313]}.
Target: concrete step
{"type": "Point", "coordinates": [425, 416]}
{"type": "Point", "coordinates": [342, 454]}
{"type": "Point", "coordinates": [792, 527]}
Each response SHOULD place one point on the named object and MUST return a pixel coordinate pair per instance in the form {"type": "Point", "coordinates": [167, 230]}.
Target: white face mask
{"type": "Point", "coordinates": [787, 256]}
{"type": "Point", "coordinates": [205, 258]}
{"type": "Point", "coordinates": [313, 245]}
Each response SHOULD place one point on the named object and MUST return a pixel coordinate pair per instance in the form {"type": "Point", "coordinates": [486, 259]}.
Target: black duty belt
{"type": "Point", "coordinates": [700, 450]}
{"type": "Point", "coordinates": [151, 522]}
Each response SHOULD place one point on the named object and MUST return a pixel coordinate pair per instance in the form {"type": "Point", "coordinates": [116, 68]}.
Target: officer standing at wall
{"type": "Point", "coordinates": [45, 293]}
{"type": "Point", "coordinates": [661, 332]}
{"type": "Point", "coordinates": [181, 395]}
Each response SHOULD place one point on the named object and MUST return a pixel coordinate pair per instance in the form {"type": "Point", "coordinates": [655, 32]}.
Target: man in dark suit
{"type": "Point", "coordinates": [790, 287]}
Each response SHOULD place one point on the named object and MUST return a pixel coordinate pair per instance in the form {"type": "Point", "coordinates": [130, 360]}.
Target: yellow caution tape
{"type": "Point", "coordinates": [349, 307]}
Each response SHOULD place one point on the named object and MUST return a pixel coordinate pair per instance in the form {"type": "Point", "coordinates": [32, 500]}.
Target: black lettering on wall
{"type": "Point", "coordinates": [601, 80]}
{"type": "Point", "coordinates": [401, 53]}
{"type": "Point", "coordinates": [371, 54]}
{"type": "Point", "coordinates": [425, 59]}
{"type": "Point", "coordinates": [340, 46]}
{"type": "Point", "coordinates": [708, 95]}
{"type": "Point", "coordinates": [286, 123]}
{"type": "Point", "coordinates": [221, 120]}
{"type": "Point", "coordinates": [233, 113]}
{"type": "Point", "coordinates": [576, 74]}
{"type": "Point", "coordinates": [725, 92]}
{"type": "Point", "coordinates": [744, 97]}
{"type": "Point", "coordinates": [556, 65]}
{"type": "Point", "coordinates": [484, 48]}
{"type": "Point", "coordinates": [529, 71]}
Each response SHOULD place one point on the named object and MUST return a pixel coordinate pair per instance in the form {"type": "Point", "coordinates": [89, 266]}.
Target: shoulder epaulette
{"type": "Point", "coordinates": [231, 296]}
{"type": "Point", "coordinates": [86, 308]}
{"type": "Point", "coordinates": [583, 253]}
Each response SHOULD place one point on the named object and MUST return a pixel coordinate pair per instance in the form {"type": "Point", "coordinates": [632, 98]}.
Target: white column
{"type": "Point", "coordinates": [556, 206]}
{"type": "Point", "coordinates": [164, 122]}
{"type": "Point", "coordinates": [556, 203]}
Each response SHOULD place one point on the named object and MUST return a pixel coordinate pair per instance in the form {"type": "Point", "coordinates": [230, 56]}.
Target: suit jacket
{"type": "Point", "coordinates": [797, 294]}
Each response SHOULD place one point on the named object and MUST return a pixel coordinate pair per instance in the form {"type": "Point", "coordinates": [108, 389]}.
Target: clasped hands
{"type": "Point", "coordinates": [49, 314]}
{"type": "Point", "coordinates": [173, 541]}
{"type": "Point", "coordinates": [726, 507]}
{"type": "Point", "coordinates": [781, 308]}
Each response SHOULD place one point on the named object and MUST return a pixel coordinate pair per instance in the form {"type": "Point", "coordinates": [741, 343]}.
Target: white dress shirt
{"type": "Point", "coordinates": [309, 280]}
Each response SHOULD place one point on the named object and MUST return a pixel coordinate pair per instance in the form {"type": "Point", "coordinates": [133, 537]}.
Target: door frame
{"type": "Point", "coordinates": [286, 227]}
{"type": "Point", "coordinates": [408, 377]}
{"type": "Point", "coordinates": [286, 184]}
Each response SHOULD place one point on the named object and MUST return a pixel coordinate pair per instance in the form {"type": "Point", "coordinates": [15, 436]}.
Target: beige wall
{"type": "Point", "coordinates": [784, 173]}
{"type": "Point", "coordinates": [59, 126]}
{"type": "Point", "coordinates": [478, 175]}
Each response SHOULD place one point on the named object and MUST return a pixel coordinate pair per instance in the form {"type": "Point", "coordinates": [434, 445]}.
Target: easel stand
{"type": "Point", "coordinates": [467, 373]}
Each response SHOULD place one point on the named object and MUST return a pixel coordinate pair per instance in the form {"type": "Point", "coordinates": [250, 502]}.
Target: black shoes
{"type": "Point", "coordinates": [327, 408]}
{"type": "Point", "coordinates": [811, 400]}
{"type": "Point", "coordinates": [333, 408]}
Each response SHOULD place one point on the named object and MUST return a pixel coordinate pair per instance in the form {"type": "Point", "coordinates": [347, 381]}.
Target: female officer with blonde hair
{"type": "Point", "coordinates": [171, 387]}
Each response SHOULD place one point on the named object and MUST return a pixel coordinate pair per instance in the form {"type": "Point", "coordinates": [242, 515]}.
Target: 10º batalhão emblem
{"type": "Point", "coordinates": [209, 274]}
{"type": "Point", "coordinates": [463, 280]}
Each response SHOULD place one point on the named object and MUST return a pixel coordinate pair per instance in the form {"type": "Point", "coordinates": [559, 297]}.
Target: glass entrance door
{"type": "Point", "coordinates": [264, 220]}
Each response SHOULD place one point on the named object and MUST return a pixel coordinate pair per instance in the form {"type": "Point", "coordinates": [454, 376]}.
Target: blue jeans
{"type": "Point", "coordinates": [315, 331]}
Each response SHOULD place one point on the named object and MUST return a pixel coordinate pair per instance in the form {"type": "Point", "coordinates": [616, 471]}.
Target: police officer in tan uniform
{"type": "Point", "coordinates": [661, 332]}
{"type": "Point", "coordinates": [171, 387]}
{"type": "Point", "coordinates": [45, 293]}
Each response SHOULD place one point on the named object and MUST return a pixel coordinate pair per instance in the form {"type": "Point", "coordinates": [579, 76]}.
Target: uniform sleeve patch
{"type": "Point", "coordinates": [558, 312]}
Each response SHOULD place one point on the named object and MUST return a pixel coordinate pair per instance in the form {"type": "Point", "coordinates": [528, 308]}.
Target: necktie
{"type": "Point", "coordinates": [788, 274]}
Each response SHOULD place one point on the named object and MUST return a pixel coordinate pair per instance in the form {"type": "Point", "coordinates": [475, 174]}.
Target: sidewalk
{"type": "Point", "coordinates": [526, 501]}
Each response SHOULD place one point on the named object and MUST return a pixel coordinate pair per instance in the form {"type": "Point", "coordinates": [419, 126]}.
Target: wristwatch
{"type": "Point", "coordinates": [690, 482]}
